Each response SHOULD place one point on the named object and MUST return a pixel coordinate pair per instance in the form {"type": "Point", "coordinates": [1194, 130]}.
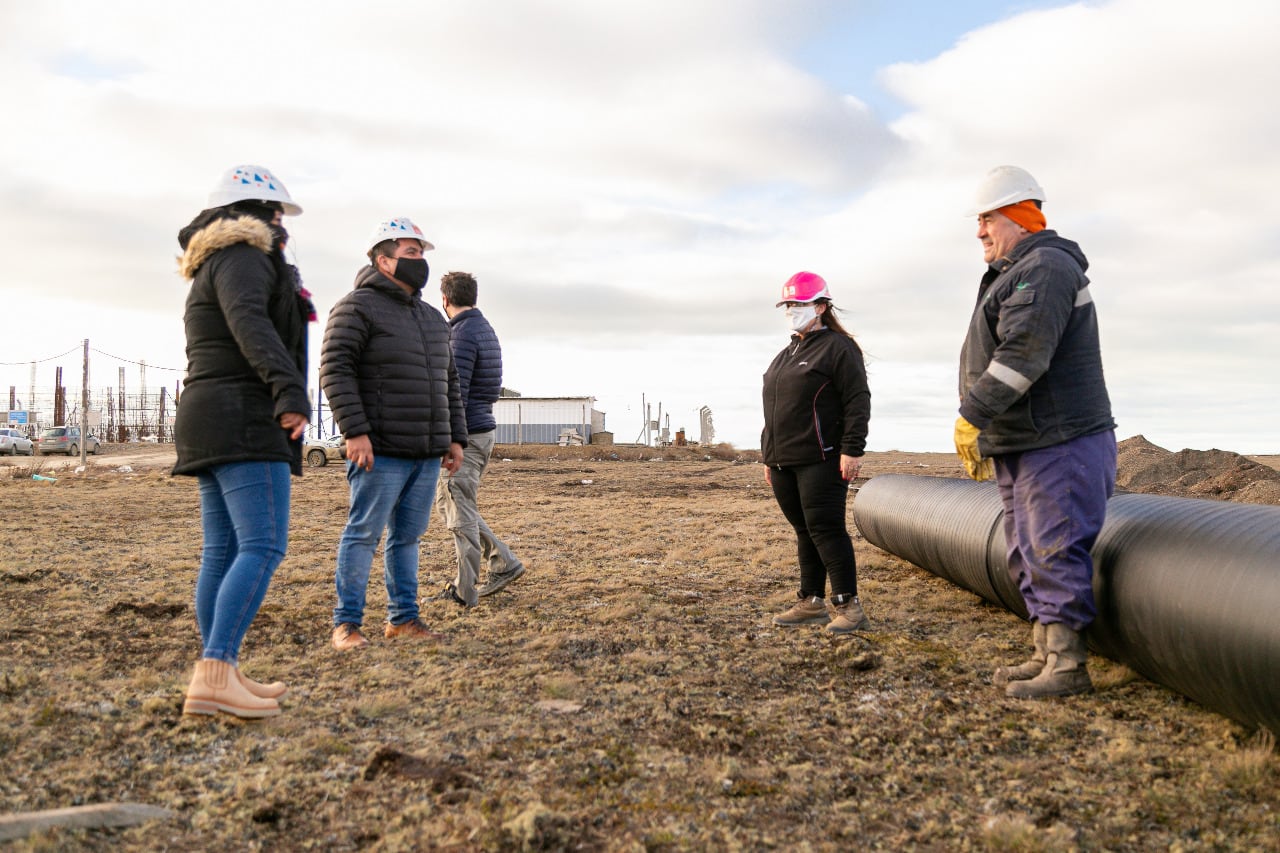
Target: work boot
{"type": "Point", "coordinates": [215, 686]}
{"type": "Point", "coordinates": [1065, 670]}
{"type": "Point", "coordinates": [806, 611]}
{"type": "Point", "coordinates": [413, 628]}
{"type": "Point", "coordinates": [1028, 670]}
{"type": "Point", "coordinates": [500, 580]}
{"type": "Point", "coordinates": [274, 690]}
{"type": "Point", "coordinates": [347, 636]}
{"type": "Point", "coordinates": [846, 615]}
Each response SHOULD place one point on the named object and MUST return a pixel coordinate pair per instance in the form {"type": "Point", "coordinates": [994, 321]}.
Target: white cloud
{"type": "Point", "coordinates": [632, 183]}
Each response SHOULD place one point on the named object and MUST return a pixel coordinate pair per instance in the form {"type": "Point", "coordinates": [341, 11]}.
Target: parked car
{"type": "Point", "coordinates": [66, 439]}
{"type": "Point", "coordinates": [318, 451]}
{"type": "Point", "coordinates": [14, 442]}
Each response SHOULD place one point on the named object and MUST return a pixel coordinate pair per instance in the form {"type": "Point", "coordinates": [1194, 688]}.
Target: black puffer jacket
{"type": "Point", "coordinates": [387, 371]}
{"type": "Point", "coordinates": [246, 347]}
{"type": "Point", "coordinates": [816, 401]}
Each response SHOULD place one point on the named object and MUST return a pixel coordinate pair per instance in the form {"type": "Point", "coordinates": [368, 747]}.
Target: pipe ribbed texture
{"type": "Point", "coordinates": [1188, 591]}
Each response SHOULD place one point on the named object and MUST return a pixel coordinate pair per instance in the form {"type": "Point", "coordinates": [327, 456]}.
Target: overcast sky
{"type": "Point", "coordinates": [632, 182]}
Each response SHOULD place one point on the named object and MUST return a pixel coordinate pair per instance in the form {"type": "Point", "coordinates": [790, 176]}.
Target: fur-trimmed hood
{"type": "Point", "coordinates": [202, 240]}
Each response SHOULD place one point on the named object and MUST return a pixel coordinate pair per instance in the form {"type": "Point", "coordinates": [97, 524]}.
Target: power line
{"type": "Point", "coordinates": [130, 361]}
{"type": "Point", "coordinates": [75, 348]}
{"type": "Point", "coordinates": [98, 351]}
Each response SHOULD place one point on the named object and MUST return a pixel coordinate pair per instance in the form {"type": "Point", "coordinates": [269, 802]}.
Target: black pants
{"type": "Point", "coordinates": [813, 498]}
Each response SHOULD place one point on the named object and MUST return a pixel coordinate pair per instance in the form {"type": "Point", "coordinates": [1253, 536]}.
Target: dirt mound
{"type": "Point", "coordinates": [1214, 474]}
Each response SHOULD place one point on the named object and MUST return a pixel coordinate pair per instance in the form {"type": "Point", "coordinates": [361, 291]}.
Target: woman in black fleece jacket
{"type": "Point", "coordinates": [816, 408]}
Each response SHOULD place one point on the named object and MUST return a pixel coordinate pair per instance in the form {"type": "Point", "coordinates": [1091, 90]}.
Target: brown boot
{"type": "Point", "coordinates": [1065, 670]}
{"type": "Point", "coordinates": [811, 610]}
{"type": "Point", "coordinates": [1028, 670]}
{"type": "Point", "coordinates": [413, 628]}
{"type": "Point", "coordinates": [347, 636]}
{"type": "Point", "coordinates": [274, 690]}
{"type": "Point", "coordinates": [216, 686]}
{"type": "Point", "coordinates": [847, 616]}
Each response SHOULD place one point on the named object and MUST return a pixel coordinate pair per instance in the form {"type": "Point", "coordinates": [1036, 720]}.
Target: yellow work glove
{"type": "Point", "coordinates": [967, 446]}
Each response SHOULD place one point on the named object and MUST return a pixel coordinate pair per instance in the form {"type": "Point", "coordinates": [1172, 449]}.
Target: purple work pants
{"type": "Point", "coordinates": [1055, 500]}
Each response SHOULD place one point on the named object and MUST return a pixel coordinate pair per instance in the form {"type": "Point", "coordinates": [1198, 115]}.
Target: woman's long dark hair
{"type": "Point", "coordinates": [832, 322]}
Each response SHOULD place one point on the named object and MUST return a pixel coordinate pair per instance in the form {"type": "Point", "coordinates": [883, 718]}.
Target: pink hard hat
{"type": "Point", "coordinates": [804, 287]}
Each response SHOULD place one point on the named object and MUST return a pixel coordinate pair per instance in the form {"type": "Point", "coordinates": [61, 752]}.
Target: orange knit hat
{"type": "Point", "coordinates": [1026, 214]}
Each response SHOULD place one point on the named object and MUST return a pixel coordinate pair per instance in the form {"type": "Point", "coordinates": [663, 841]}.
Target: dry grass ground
{"type": "Point", "coordinates": [628, 694]}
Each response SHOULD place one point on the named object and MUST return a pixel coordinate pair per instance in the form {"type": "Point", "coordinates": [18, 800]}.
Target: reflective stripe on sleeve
{"type": "Point", "coordinates": [1010, 377]}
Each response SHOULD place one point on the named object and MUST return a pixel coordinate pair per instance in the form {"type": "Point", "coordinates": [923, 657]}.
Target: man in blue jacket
{"type": "Point", "coordinates": [1033, 401]}
{"type": "Point", "coordinates": [478, 358]}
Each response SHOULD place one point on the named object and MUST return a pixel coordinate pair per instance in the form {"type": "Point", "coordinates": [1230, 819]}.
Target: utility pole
{"type": "Point", "coordinates": [59, 398]}
{"type": "Point", "coordinates": [84, 406]}
{"type": "Point", "coordinates": [160, 420]}
{"type": "Point", "coordinates": [644, 413]}
{"type": "Point", "coordinates": [122, 430]}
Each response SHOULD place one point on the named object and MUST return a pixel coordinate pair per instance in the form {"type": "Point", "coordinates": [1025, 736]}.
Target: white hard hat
{"type": "Point", "coordinates": [1005, 185]}
{"type": "Point", "coordinates": [251, 183]}
{"type": "Point", "coordinates": [401, 227]}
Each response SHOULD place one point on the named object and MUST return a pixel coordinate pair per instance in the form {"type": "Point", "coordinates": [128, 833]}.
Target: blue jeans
{"type": "Point", "coordinates": [395, 496]}
{"type": "Point", "coordinates": [244, 511]}
{"type": "Point", "coordinates": [813, 499]}
{"type": "Point", "coordinates": [1055, 500]}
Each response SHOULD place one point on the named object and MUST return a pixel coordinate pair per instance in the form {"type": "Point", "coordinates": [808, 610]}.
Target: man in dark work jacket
{"type": "Point", "coordinates": [1033, 401]}
{"type": "Point", "coordinates": [388, 373]}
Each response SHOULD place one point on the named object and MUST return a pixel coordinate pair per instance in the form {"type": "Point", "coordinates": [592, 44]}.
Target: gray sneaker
{"type": "Point", "coordinates": [501, 580]}
{"type": "Point", "coordinates": [450, 593]}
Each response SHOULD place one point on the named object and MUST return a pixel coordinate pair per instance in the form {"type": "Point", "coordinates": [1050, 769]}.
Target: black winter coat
{"type": "Point", "coordinates": [246, 348]}
{"type": "Point", "coordinates": [387, 371]}
{"type": "Point", "coordinates": [816, 401]}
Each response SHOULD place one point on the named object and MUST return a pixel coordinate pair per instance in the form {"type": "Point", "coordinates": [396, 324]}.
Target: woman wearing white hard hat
{"type": "Point", "coordinates": [816, 408]}
{"type": "Point", "coordinates": [241, 418]}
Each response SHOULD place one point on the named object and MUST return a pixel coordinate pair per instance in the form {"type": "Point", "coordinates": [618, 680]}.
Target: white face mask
{"type": "Point", "coordinates": [800, 316]}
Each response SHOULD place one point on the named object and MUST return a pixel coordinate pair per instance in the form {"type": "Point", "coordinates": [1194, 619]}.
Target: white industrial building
{"type": "Point", "coordinates": [547, 420]}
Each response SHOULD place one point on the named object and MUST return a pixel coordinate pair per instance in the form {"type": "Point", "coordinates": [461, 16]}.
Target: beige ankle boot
{"type": "Point", "coordinates": [806, 611]}
{"type": "Point", "coordinates": [847, 616]}
{"type": "Point", "coordinates": [1030, 669]}
{"type": "Point", "coordinates": [1065, 670]}
{"type": "Point", "coordinates": [274, 690]}
{"type": "Point", "coordinates": [216, 686]}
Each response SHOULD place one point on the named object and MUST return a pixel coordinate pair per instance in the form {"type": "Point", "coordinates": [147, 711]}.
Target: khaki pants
{"type": "Point", "coordinates": [472, 538]}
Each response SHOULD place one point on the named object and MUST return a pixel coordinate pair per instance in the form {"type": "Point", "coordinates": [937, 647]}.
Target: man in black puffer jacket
{"type": "Point", "coordinates": [388, 373]}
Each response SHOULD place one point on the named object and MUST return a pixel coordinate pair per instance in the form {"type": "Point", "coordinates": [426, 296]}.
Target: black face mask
{"type": "Point", "coordinates": [412, 271]}
{"type": "Point", "coordinates": [280, 235]}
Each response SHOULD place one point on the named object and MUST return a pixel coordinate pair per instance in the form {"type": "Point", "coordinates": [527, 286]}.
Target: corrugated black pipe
{"type": "Point", "coordinates": [1188, 591]}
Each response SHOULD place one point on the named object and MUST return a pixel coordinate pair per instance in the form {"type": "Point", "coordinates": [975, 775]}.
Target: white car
{"type": "Point", "coordinates": [14, 442]}
{"type": "Point", "coordinates": [66, 439]}
{"type": "Point", "coordinates": [318, 451]}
